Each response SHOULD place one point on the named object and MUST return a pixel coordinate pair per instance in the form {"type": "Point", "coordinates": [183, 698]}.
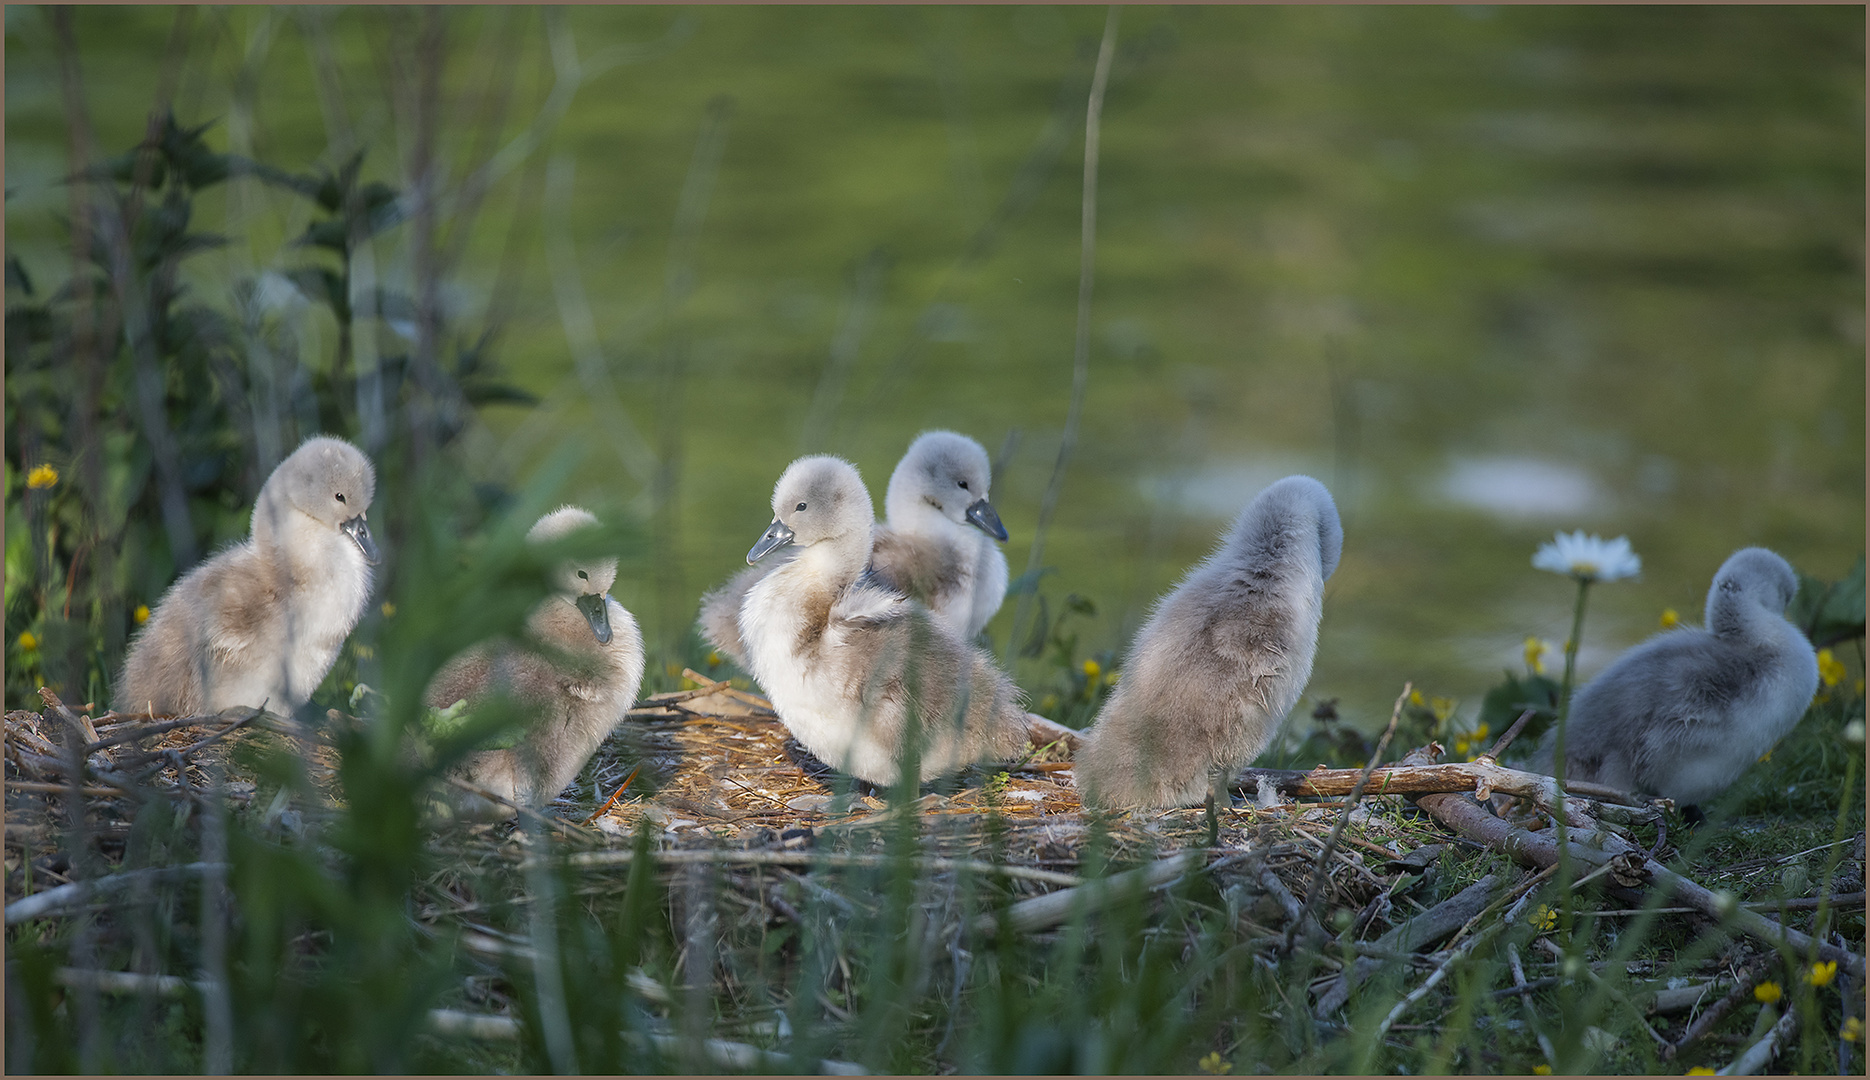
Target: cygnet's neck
{"type": "Point", "coordinates": [833, 563]}
{"type": "Point", "coordinates": [1742, 617]}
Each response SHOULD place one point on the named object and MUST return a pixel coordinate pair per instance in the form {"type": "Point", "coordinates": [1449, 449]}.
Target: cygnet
{"type": "Point", "coordinates": [1685, 713]}
{"type": "Point", "coordinates": [260, 623]}
{"type": "Point", "coordinates": [861, 675]}
{"type": "Point", "coordinates": [576, 673]}
{"type": "Point", "coordinates": [936, 546]}
{"type": "Point", "coordinates": [1222, 659]}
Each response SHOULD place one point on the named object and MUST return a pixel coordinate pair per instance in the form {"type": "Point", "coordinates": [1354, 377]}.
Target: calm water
{"type": "Point", "coordinates": [1487, 272]}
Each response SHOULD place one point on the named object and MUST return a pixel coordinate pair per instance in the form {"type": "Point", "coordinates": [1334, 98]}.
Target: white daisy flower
{"type": "Point", "coordinates": [1588, 558]}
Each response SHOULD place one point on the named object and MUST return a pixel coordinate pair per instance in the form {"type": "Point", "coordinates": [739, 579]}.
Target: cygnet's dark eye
{"type": "Point", "coordinates": [963, 484]}
{"type": "Point", "coordinates": [340, 496]}
{"type": "Point", "coordinates": [584, 576]}
{"type": "Point", "coordinates": [801, 506]}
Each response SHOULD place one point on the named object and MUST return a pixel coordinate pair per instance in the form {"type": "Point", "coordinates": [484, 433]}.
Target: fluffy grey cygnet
{"type": "Point", "coordinates": [1685, 713]}
{"type": "Point", "coordinates": [1224, 657]}
{"type": "Point", "coordinates": [577, 672]}
{"type": "Point", "coordinates": [261, 622]}
{"type": "Point", "coordinates": [937, 544]}
{"type": "Point", "coordinates": [860, 674]}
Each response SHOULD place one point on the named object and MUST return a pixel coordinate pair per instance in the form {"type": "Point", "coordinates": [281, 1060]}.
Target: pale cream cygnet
{"type": "Point", "coordinates": [575, 673]}
{"type": "Point", "coordinates": [261, 622]}
{"type": "Point", "coordinates": [862, 676]}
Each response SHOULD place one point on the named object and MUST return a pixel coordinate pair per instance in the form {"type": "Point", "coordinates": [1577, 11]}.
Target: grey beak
{"type": "Point", "coordinates": [597, 613]}
{"type": "Point", "coordinates": [777, 535]}
{"type": "Point", "coordinates": [984, 519]}
{"type": "Point", "coordinates": [359, 532]}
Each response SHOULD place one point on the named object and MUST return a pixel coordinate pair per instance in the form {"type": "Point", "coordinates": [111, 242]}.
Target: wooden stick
{"type": "Point", "coordinates": [1761, 1053]}
{"type": "Point", "coordinates": [1597, 848]}
{"type": "Point", "coordinates": [621, 857]}
{"type": "Point", "coordinates": [1042, 912]}
{"type": "Point", "coordinates": [1483, 778]}
{"type": "Point", "coordinates": [1041, 731]}
{"type": "Point", "coordinates": [602, 810]}
{"type": "Point", "coordinates": [79, 892]}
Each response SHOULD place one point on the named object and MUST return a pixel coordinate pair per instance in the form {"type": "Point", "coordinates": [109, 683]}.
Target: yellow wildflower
{"type": "Point", "coordinates": [1670, 620]}
{"type": "Point", "coordinates": [388, 609]}
{"type": "Point", "coordinates": [1822, 973]}
{"type": "Point", "coordinates": [714, 658]}
{"type": "Point", "coordinates": [1852, 1031]}
{"type": "Point", "coordinates": [1110, 677]}
{"type": "Point", "coordinates": [1481, 733]}
{"type": "Point", "coordinates": [1829, 669]}
{"type": "Point", "coordinates": [364, 652]}
{"type": "Point", "coordinates": [41, 476]}
{"type": "Point", "coordinates": [1541, 1070]}
{"type": "Point", "coordinates": [1092, 670]}
{"type": "Point", "coordinates": [28, 642]}
{"type": "Point", "coordinates": [1700, 1070]}
{"type": "Point", "coordinates": [1214, 1066]}
{"type": "Point", "coordinates": [1415, 698]}
{"type": "Point", "coordinates": [141, 614]}
{"type": "Point", "coordinates": [1535, 656]}
{"type": "Point", "coordinates": [1048, 703]}
{"type": "Point", "coordinates": [1767, 992]}
{"type": "Point", "coordinates": [1442, 707]}
{"type": "Point", "coordinates": [1766, 757]}
{"type": "Point", "coordinates": [1543, 918]}
{"type": "Point", "coordinates": [1460, 746]}
{"type": "Point", "coordinates": [1859, 687]}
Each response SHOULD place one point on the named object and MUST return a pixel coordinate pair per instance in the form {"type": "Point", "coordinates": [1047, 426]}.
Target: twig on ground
{"type": "Point", "coordinates": [54, 901]}
{"type": "Point", "coordinates": [1761, 1054]}
{"type": "Point", "coordinates": [1357, 793]}
{"type": "Point", "coordinates": [933, 864]}
{"type": "Point", "coordinates": [1053, 908]}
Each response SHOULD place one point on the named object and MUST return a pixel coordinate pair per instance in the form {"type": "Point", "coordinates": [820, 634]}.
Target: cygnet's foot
{"type": "Point", "coordinates": [1693, 815]}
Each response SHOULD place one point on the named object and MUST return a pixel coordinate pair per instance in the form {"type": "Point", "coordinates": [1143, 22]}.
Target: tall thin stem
{"type": "Point", "coordinates": [1081, 345]}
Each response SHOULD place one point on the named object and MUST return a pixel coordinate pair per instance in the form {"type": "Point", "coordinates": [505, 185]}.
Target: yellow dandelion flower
{"type": "Point", "coordinates": [1415, 698]}
{"type": "Point", "coordinates": [1460, 746]}
{"type": "Point", "coordinates": [1442, 707]}
{"type": "Point", "coordinates": [1767, 992]}
{"type": "Point", "coordinates": [41, 476]}
{"type": "Point", "coordinates": [1829, 668]}
{"type": "Point", "coordinates": [1214, 1066]}
{"type": "Point", "coordinates": [388, 609]}
{"type": "Point", "coordinates": [1048, 703]}
{"type": "Point", "coordinates": [1543, 918]}
{"type": "Point", "coordinates": [1767, 756]}
{"type": "Point", "coordinates": [1822, 973]}
{"type": "Point", "coordinates": [1535, 656]}
{"type": "Point", "coordinates": [364, 652]}
{"type": "Point", "coordinates": [1092, 670]}
{"type": "Point", "coordinates": [28, 641]}
{"type": "Point", "coordinates": [141, 614]}
{"type": "Point", "coordinates": [1110, 677]}
{"type": "Point", "coordinates": [1541, 1070]}
{"type": "Point", "coordinates": [1670, 620]}
{"type": "Point", "coordinates": [714, 658]}
{"type": "Point", "coordinates": [1481, 733]}
{"type": "Point", "coordinates": [1852, 1031]}
{"type": "Point", "coordinates": [1699, 1070]}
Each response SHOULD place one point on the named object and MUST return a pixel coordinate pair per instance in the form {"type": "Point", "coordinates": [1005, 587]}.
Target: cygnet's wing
{"type": "Point", "coordinates": [870, 602]}
{"type": "Point", "coordinates": [240, 595]}
{"type": "Point", "coordinates": [466, 677]}
{"type": "Point", "coordinates": [719, 620]}
{"type": "Point", "coordinates": [920, 566]}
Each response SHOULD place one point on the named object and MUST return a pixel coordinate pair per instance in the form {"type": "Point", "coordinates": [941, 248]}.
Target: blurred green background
{"type": "Point", "coordinates": [1487, 272]}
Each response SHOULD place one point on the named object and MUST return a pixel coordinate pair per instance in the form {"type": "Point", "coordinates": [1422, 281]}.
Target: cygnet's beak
{"type": "Point", "coordinates": [983, 518]}
{"type": "Point", "coordinates": [597, 613]}
{"type": "Point", "coordinates": [777, 535]}
{"type": "Point", "coordinates": [359, 532]}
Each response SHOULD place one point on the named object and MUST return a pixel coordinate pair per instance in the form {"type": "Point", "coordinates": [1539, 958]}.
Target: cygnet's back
{"type": "Point", "coordinates": [261, 622]}
{"type": "Point", "coordinates": [858, 673]}
{"type": "Point", "coordinates": [938, 545]}
{"type": "Point", "coordinates": [1224, 657]}
{"type": "Point", "coordinates": [1685, 713]}
{"type": "Point", "coordinates": [576, 674]}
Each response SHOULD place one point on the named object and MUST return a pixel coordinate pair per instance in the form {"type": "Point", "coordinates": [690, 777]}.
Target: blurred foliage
{"type": "Point", "coordinates": [1830, 612]}
{"type": "Point", "coordinates": [146, 414]}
